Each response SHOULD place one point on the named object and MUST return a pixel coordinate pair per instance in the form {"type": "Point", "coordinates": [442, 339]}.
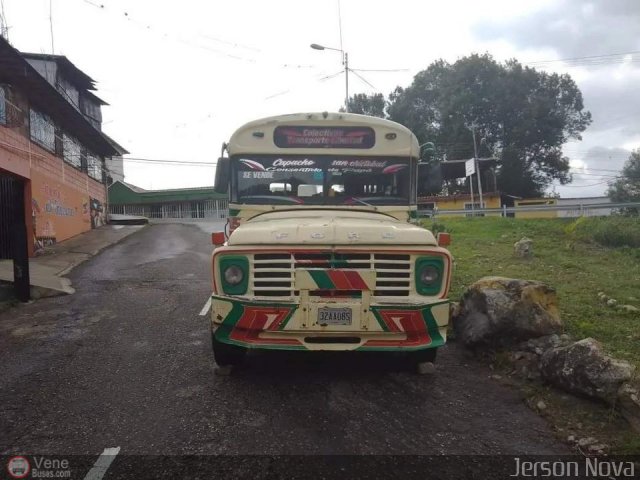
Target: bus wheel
{"type": "Point", "coordinates": [427, 355]}
{"type": "Point", "coordinates": [226, 355]}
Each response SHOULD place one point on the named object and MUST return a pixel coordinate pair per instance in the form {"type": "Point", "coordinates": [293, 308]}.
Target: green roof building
{"type": "Point", "coordinates": [179, 203]}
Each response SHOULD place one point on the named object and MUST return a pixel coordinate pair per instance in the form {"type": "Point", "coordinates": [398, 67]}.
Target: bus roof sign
{"type": "Point", "coordinates": [289, 136]}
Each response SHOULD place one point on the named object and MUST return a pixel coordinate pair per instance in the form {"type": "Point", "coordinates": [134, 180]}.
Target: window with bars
{"type": "Point", "coordinates": [94, 167]}
{"type": "Point", "coordinates": [3, 106]}
{"type": "Point", "coordinates": [72, 151]}
{"type": "Point", "coordinates": [42, 130]}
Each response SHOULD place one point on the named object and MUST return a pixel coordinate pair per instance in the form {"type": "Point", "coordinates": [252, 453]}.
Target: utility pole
{"type": "Point", "coordinates": [477, 164]}
{"type": "Point", "coordinates": [346, 79]}
{"type": "Point", "coordinates": [473, 205]}
{"type": "Point", "coordinates": [345, 62]}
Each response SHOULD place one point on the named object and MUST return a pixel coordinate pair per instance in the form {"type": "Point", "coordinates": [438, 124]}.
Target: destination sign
{"type": "Point", "coordinates": [324, 137]}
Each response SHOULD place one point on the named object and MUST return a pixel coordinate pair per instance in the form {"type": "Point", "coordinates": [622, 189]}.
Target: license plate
{"type": "Point", "coordinates": [334, 316]}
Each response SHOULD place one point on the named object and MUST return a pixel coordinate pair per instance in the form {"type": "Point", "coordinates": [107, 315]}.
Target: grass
{"type": "Point", "coordinates": [570, 256]}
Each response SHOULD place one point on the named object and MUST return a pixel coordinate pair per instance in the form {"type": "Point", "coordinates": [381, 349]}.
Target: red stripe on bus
{"type": "Point", "coordinates": [340, 280]}
{"type": "Point", "coordinates": [356, 280]}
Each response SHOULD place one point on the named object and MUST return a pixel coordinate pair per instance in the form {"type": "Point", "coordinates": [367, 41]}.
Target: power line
{"type": "Point", "coordinates": [168, 161]}
{"type": "Point", "coordinates": [166, 34]}
{"type": "Point", "coordinates": [379, 69]}
{"type": "Point", "coordinates": [292, 89]}
{"type": "Point", "coordinates": [591, 61]}
{"type": "Point", "coordinates": [589, 57]}
{"type": "Point", "coordinates": [590, 185]}
{"type": "Point", "coordinates": [363, 79]}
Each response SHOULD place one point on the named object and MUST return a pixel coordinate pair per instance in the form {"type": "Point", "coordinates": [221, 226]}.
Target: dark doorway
{"type": "Point", "coordinates": [13, 233]}
{"type": "Point", "coordinates": [11, 211]}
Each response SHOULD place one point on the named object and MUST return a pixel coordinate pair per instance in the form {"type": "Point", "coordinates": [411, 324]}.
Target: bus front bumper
{"type": "Point", "coordinates": [292, 326]}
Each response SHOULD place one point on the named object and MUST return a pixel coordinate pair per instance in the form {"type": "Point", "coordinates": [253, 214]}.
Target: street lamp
{"type": "Point", "coordinates": [345, 62]}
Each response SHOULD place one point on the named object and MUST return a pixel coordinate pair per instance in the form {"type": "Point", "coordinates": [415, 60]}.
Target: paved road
{"type": "Point", "coordinates": [127, 362]}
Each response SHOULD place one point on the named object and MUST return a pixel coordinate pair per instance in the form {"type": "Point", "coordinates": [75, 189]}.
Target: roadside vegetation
{"type": "Point", "coordinates": [580, 258]}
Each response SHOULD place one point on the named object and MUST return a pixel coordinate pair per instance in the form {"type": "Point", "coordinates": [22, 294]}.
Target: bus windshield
{"type": "Point", "coordinates": [320, 180]}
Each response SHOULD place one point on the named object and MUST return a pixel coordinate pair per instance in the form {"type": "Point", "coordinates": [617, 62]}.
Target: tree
{"type": "Point", "coordinates": [627, 187]}
{"type": "Point", "coordinates": [364, 104]}
{"type": "Point", "coordinates": [520, 116]}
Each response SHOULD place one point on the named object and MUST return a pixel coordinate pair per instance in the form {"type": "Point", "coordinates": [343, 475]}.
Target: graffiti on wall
{"type": "Point", "coordinates": [41, 243]}
{"type": "Point", "coordinates": [56, 202]}
{"type": "Point", "coordinates": [97, 213]}
{"type": "Point", "coordinates": [61, 211]}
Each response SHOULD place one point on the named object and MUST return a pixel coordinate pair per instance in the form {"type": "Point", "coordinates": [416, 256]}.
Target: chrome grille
{"type": "Point", "coordinates": [272, 274]}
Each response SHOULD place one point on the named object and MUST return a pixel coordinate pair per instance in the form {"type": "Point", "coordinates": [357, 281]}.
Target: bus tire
{"type": "Point", "coordinates": [226, 355]}
{"type": "Point", "coordinates": [423, 356]}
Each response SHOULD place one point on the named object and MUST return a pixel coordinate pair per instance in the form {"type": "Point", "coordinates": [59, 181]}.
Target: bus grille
{"type": "Point", "coordinates": [272, 274]}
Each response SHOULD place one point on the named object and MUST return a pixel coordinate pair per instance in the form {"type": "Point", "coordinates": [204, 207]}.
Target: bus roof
{"type": "Point", "coordinates": [257, 137]}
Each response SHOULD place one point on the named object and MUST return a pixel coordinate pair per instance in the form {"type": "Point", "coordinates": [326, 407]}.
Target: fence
{"type": "Point", "coordinates": [566, 211]}
{"type": "Point", "coordinates": [210, 209]}
{"type": "Point", "coordinates": [219, 209]}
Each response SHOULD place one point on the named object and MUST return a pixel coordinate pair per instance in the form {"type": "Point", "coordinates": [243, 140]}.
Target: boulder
{"type": "Point", "coordinates": [497, 311]}
{"type": "Point", "coordinates": [583, 368]}
{"type": "Point", "coordinates": [629, 403]}
{"type": "Point", "coordinates": [629, 308]}
{"type": "Point", "coordinates": [523, 248]}
{"type": "Point", "coordinates": [525, 357]}
{"type": "Point", "coordinates": [525, 365]}
{"type": "Point", "coordinates": [542, 344]}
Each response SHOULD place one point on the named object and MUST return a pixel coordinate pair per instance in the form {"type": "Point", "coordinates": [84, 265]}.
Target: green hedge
{"type": "Point", "coordinates": [616, 231]}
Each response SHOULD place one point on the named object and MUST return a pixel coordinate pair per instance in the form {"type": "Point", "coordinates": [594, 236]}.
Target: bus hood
{"type": "Point", "coordinates": [333, 227]}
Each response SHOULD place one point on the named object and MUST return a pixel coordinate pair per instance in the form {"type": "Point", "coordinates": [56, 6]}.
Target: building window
{"type": "Point", "coordinates": [476, 206]}
{"type": "Point", "coordinates": [3, 106]}
{"type": "Point", "coordinates": [71, 151]}
{"type": "Point", "coordinates": [70, 92]}
{"type": "Point", "coordinates": [91, 110]}
{"type": "Point", "coordinates": [42, 130]}
{"type": "Point", "coordinates": [94, 167]}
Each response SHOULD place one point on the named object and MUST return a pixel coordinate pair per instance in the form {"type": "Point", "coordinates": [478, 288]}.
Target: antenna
{"type": "Point", "coordinates": [51, 25]}
{"type": "Point", "coordinates": [4, 29]}
{"type": "Point", "coordinates": [340, 24]}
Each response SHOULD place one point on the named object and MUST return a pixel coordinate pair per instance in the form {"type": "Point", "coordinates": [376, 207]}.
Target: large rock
{"type": "Point", "coordinates": [523, 248]}
{"type": "Point", "coordinates": [583, 368]}
{"type": "Point", "coordinates": [497, 311]}
{"type": "Point", "coordinates": [629, 404]}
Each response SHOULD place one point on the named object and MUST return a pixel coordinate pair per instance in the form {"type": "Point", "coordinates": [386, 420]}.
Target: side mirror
{"type": "Point", "coordinates": [218, 238]}
{"type": "Point", "coordinates": [444, 239]}
{"type": "Point", "coordinates": [223, 175]}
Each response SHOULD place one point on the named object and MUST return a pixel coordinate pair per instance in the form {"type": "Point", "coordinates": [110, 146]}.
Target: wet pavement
{"type": "Point", "coordinates": [127, 362]}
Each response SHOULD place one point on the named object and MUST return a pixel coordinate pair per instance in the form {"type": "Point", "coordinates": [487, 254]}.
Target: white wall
{"type": "Point", "coordinates": [585, 211]}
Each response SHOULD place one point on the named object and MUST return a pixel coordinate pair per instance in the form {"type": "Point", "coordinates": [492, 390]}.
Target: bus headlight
{"type": "Point", "coordinates": [233, 275]}
{"type": "Point", "coordinates": [234, 270]}
{"type": "Point", "coordinates": [429, 275]}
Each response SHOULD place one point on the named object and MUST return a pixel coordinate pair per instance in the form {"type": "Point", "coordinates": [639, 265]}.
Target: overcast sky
{"type": "Point", "coordinates": [181, 76]}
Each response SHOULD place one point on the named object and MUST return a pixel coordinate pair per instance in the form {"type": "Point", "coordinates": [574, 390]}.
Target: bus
{"type": "Point", "coordinates": [321, 250]}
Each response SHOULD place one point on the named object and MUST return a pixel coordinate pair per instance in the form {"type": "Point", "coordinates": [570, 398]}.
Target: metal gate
{"type": "Point", "coordinates": [11, 212]}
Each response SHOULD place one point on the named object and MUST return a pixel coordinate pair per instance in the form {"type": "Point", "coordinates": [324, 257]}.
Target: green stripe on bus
{"type": "Point", "coordinates": [322, 279]}
{"type": "Point", "coordinates": [289, 316]}
{"type": "Point", "coordinates": [381, 322]}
